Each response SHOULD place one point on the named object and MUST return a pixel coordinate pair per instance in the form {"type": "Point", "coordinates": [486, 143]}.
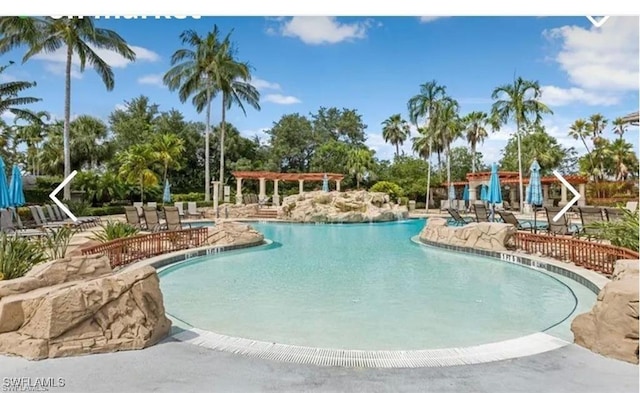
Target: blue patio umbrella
{"type": "Point", "coordinates": [465, 193]}
{"type": "Point", "coordinates": [494, 194]}
{"type": "Point", "coordinates": [166, 196]}
{"type": "Point", "coordinates": [483, 192]}
{"type": "Point", "coordinates": [16, 193]}
{"type": "Point", "coordinates": [325, 183]}
{"type": "Point", "coordinates": [534, 193]}
{"type": "Point", "coordinates": [4, 189]}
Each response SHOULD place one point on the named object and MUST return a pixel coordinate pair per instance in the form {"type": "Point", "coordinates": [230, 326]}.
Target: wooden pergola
{"type": "Point", "coordinates": [277, 177]}
{"type": "Point", "coordinates": [474, 180]}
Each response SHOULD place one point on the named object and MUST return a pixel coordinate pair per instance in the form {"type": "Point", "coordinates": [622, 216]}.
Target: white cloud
{"type": "Point", "coordinates": [384, 150]}
{"type": "Point", "coordinates": [260, 133]}
{"type": "Point", "coordinates": [427, 19]}
{"type": "Point", "coordinates": [112, 58]}
{"type": "Point", "coordinates": [4, 78]}
{"type": "Point", "coordinates": [60, 68]}
{"type": "Point", "coordinates": [151, 79]}
{"type": "Point", "coordinates": [557, 96]}
{"type": "Point", "coordinates": [262, 84]}
{"type": "Point", "coordinates": [317, 30]}
{"type": "Point", "coordinates": [602, 63]}
{"type": "Point", "coordinates": [281, 99]}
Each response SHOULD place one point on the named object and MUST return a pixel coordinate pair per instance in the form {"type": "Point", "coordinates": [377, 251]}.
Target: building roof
{"type": "Point", "coordinates": [632, 118]}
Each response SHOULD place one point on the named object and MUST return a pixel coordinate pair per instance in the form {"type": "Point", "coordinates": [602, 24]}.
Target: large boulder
{"type": "Point", "coordinates": [79, 306]}
{"type": "Point", "coordinates": [336, 206]}
{"type": "Point", "coordinates": [233, 233]}
{"type": "Point", "coordinates": [611, 327]}
{"type": "Point", "coordinates": [481, 235]}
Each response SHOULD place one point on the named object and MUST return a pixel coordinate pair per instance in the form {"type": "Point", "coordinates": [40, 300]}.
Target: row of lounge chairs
{"type": "Point", "coordinates": [192, 209]}
{"type": "Point", "coordinates": [588, 216]}
{"type": "Point", "coordinates": [151, 221]}
{"type": "Point", "coordinates": [44, 217]}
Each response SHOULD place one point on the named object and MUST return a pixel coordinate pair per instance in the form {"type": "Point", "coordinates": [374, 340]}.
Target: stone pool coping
{"type": "Point", "coordinates": [508, 349]}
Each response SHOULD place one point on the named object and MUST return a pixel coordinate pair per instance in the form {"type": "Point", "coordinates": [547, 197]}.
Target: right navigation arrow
{"type": "Point", "coordinates": [572, 202]}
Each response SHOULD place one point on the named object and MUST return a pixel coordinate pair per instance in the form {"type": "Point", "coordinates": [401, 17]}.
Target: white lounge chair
{"type": "Point", "coordinates": [138, 206]}
{"type": "Point", "coordinates": [180, 206]}
{"type": "Point", "coordinates": [192, 210]}
{"type": "Point", "coordinates": [632, 206]}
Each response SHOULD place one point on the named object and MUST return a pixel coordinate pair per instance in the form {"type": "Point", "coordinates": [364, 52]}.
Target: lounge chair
{"type": "Point", "coordinates": [510, 218]}
{"type": "Point", "coordinates": [180, 206]}
{"type": "Point", "coordinates": [613, 214]}
{"type": "Point", "coordinates": [133, 219]}
{"type": "Point", "coordinates": [456, 219]}
{"type": "Point", "coordinates": [92, 220]}
{"type": "Point", "coordinates": [632, 206]}
{"type": "Point", "coordinates": [41, 222]}
{"type": "Point", "coordinates": [589, 216]}
{"type": "Point", "coordinates": [561, 227]}
{"type": "Point", "coordinates": [263, 202]}
{"type": "Point", "coordinates": [152, 219]}
{"type": "Point", "coordinates": [482, 215]}
{"type": "Point", "coordinates": [506, 205]}
{"type": "Point", "coordinates": [192, 210]}
{"type": "Point", "coordinates": [7, 226]}
{"type": "Point", "coordinates": [51, 216]}
{"type": "Point", "coordinates": [138, 206]}
{"type": "Point", "coordinates": [172, 216]}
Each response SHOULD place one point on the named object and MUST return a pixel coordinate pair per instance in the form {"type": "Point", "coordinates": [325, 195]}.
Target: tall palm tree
{"type": "Point", "coordinates": [32, 134]}
{"type": "Point", "coordinates": [597, 124]}
{"type": "Point", "coordinates": [360, 163]}
{"type": "Point", "coordinates": [395, 130]}
{"type": "Point", "coordinates": [10, 98]}
{"type": "Point", "coordinates": [579, 130]}
{"type": "Point", "coordinates": [233, 78]}
{"type": "Point", "coordinates": [475, 124]}
{"type": "Point", "coordinates": [519, 101]}
{"type": "Point", "coordinates": [619, 127]}
{"type": "Point", "coordinates": [136, 164]}
{"type": "Point", "coordinates": [421, 106]}
{"type": "Point", "coordinates": [421, 145]}
{"type": "Point", "coordinates": [88, 134]}
{"type": "Point", "coordinates": [168, 148]}
{"type": "Point", "coordinates": [77, 36]}
{"type": "Point", "coordinates": [622, 154]}
{"type": "Point", "coordinates": [449, 128]}
{"type": "Point", "coordinates": [192, 75]}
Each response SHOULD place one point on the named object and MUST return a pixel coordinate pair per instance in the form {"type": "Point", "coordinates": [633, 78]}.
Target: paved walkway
{"type": "Point", "coordinates": [179, 367]}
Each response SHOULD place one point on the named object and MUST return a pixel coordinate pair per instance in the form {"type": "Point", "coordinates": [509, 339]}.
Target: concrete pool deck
{"type": "Point", "coordinates": [172, 366]}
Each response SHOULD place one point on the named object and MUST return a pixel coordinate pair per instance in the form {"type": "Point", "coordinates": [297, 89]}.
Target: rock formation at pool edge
{"type": "Point", "coordinates": [336, 206]}
{"type": "Point", "coordinates": [78, 305]}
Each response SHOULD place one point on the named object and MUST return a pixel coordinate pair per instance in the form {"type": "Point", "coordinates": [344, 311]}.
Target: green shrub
{"type": "Point", "coordinates": [37, 196]}
{"type": "Point", "coordinates": [190, 197]}
{"type": "Point", "coordinates": [394, 190]}
{"type": "Point", "coordinates": [404, 201]}
{"type": "Point", "coordinates": [621, 233]}
{"type": "Point", "coordinates": [18, 255]}
{"type": "Point", "coordinates": [115, 230]}
{"type": "Point", "coordinates": [105, 211]}
{"type": "Point", "coordinates": [79, 208]}
{"type": "Point", "coordinates": [57, 242]}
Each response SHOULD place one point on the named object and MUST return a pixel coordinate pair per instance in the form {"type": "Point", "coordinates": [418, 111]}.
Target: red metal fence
{"type": "Point", "coordinates": [590, 255]}
{"type": "Point", "coordinates": [131, 249]}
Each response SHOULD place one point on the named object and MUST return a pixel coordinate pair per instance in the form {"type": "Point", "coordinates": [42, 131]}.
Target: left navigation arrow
{"type": "Point", "coordinates": [57, 201]}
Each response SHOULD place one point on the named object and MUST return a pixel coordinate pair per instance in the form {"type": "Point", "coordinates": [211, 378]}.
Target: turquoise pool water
{"type": "Point", "coordinates": [362, 286]}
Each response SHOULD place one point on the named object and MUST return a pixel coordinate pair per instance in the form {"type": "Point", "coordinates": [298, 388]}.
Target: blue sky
{"type": "Point", "coordinates": [373, 65]}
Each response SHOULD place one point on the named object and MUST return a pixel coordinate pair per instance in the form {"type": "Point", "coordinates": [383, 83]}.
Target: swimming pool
{"type": "Point", "coordinates": [364, 286]}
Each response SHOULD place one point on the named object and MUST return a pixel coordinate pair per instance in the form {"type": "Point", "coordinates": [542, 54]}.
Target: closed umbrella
{"type": "Point", "coordinates": [534, 192]}
{"type": "Point", "coordinates": [325, 183]}
{"type": "Point", "coordinates": [4, 188]}
{"type": "Point", "coordinates": [465, 193]}
{"type": "Point", "coordinates": [483, 192]}
{"type": "Point", "coordinates": [494, 194]}
{"type": "Point", "coordinates": [166, 196]}
{"type": "Point", "coordinates": [16, 193]}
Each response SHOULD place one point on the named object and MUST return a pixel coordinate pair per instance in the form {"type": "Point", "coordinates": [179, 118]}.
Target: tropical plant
{"type": "Point", "coordinates": [619, 127]}
{"type": "Point", "coordinates": [192, 75]}
{"type": "Point", "coordinates": [113, 230]}
{"type": "Point", "coordinates": [18, 255]}
{"type": "Point", "coordinates": [136, 164]}
{"type": "Point", "coordinates": [394, 190]}
{"type": "Point", "coordinates": [57, 241]}
{"type": "Point", "coordinates": [395, 130]}
{"type": "Point", "coordinates": [475, 126]}
{"type": "Point", "coordinates": [169, 148]}
{"type": "Point", "coordinates": [519, 101]}
{"type": "Point", "coordinates": [10, 93]}
{"type": "Point", "coordinates": [76, 36]}
{"type": "Point", "coordinates": [621, 233]}
{"type": "Point", "coordinates": [32, 134]}
{"type": "Point", "coordinates": [360, 162]}
{"type": "Point", "coordinates": [448, 128]}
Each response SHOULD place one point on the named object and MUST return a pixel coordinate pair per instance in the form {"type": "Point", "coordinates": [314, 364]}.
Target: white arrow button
{"type": "Point", "coordinates": [57, 201]}
{"type": "Point", "coordinates": [598, 22]}
{"type": "Point", "coordinates": [572, 202]}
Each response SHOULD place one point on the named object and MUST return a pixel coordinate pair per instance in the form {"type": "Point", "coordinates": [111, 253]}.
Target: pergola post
{"type": "Point", "coordinates": [300, 186]}
{"type": "Point", "coordinates": [582, 190]}
{"type": "Point", "coordinates": [276, 196]}
{"type": "Point", "coordinates": [263, 188]}
{"type": "Point", "coordinates": [239, 191]}
{"type": "Point", "coordinates": [513, 196]}
{"type": "Point", "coordinates": [338, 185]}
{"type": "Point", "coordinates": [216, 196]}
{"type": "Point", "coordinates": [563, 195]}
{"type": "Point", "coordinates": [472, 192]}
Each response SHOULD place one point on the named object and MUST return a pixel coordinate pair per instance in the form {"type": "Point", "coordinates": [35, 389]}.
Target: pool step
{"type": "Point", "coordinates": [265, 213]}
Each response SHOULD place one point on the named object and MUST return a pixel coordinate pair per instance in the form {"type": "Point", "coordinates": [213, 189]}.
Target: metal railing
{"type": "Point", "coordinates": [590, 255]}
{"type": "Point", "coordinates": [132, 249]}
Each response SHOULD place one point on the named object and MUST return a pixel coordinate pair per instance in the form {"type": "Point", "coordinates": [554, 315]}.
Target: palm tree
{"type": "Point", "coordinates": [448, 128]}
{"type": "Point", "coordinates": [395, 131]}
{"type": "Point", "coordinates": [421, 145]}
{"type": "Point", "coordinates": [519, 101]}
{"type": "Point", "coordinates": [135, 167]}
{"type": "Point", "coordinates": [475, 124]}
{"type": "Point", "coordinates": [75, 35]}
{"type": "Point", "coordinates": [597, 124]}
{"type": "Point", "coordinates": [10, 98]}
{"type": "Point", "coordinates": [233, 78]}
{"type": "Point", "coordinates": [89, 134]}
{"type": "Point", "coordinates": [192, 75]}
{"type": "Point", "coordinates": [168, 148]}
{"type": "Point", "coordinates": [360, 162]}
{"type": "Point", "coordinates": [579, 130]}
{"type": "Point", "coordinates": [32, 134]}
{"type": "Point", "coordinates": [619, 127]}
{"type": "Point", "coordinates": [422, 106]}
{"type": "Point", "coordinates": [623, 157]}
